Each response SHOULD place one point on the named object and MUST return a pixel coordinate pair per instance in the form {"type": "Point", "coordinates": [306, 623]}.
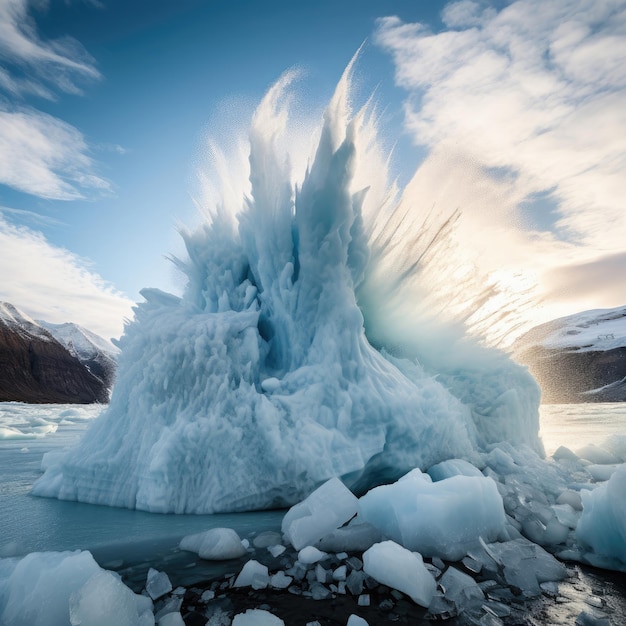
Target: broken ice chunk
{"type": "Point", "coordinates": [280, 580]}
{"type": "Point", "coordinates": [526, 565]}
{"type": "Point", "coordinates": [566, 515]}
{"type": "Point", "coordinates": [392, 565]}
{"type": "Point", "coordinates": [326, 509]}
{"type": "Point", "coordinates": [322, 575]}
{"type": "Point", "coordinates": [572, 498]}
{"type": "Point", "coordinates": [355, 537]}
{"type": "Point", "coordinates": [502, 462]}
{"type": "Point", "coordinates": [171, 605]}
{"type": "Point", "coordinates": [157, 584]}
{"type": "Point", "coordinates": [254, 575]}
{"type": "Point", "coordinates": [216, 544]}
{"type": "Point", "coordinates": [355, 620]}
{"type": "Point", "coordinates": [555, 533]}
{"type": "Point", "coordinates": [563, 453]}
{"type": "Point", "coordinates": [601, 472]}
{"type": "Point", "coordinates": [103, 600]}
{"type": "Point", "coordinates": [598, 455]}
{"type": "Point", "coordinates": [601, 525]}
{"type": "Point", "coordinates": [276, 551]}
{"type": "Point", "coordinates": [354, 582]}
{"type": "Point", "coordinates": [461, 589]}
{"type": "Point", "coordinates": [364, 600]}
{"type": "Point", "coordinates": [319, 592]}
{"type": "Point", "coordinates": [340, 573]}
{"type": "Point", "coordinates": [257, 617]}
{"type": "Point", "coordinates": [310, 555]}
{"type": "Point", "coordinates": [453, 467]}
{"type": "Point", "coordinates": [444, 518]}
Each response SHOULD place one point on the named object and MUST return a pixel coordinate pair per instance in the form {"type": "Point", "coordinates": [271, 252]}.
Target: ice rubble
{"type": "Point", "coordinates": [275, 371]}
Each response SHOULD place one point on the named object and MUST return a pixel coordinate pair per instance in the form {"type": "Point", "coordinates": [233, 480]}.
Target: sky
{"type": "Point", "coordinates": [513, 111]}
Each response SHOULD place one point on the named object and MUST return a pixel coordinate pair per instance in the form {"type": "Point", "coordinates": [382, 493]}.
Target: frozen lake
{"type": "Point", "coordinates": [129, 541]}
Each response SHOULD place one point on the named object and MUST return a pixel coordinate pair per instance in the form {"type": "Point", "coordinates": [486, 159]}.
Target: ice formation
{"type": "Point", "coordinates": [282, 364]}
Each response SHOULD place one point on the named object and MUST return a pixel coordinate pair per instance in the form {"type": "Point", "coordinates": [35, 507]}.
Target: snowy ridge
{"type": "Point", "coordinates": [37, 366]}
{"type": "Point", "coordinates": [15, 319]}
{"type": "Point", "coordinates": [578, 358]}
{"type": "Point", "coordinates": [80, 341]}
{"type": "Point", "coordinates": [594, 330]}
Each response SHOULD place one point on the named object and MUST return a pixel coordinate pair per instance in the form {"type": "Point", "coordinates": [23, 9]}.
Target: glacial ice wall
{"type": "Point", "coordinates": [260, 382]}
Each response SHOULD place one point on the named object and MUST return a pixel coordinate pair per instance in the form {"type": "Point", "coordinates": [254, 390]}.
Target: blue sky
{"type": "Point", "coordinates": [105, 108]}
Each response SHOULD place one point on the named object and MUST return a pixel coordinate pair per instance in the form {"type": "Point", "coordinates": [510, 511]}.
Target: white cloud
{"type": "Point", "coordinates": [43, 156]}
{"type": "Point", "coordinates": [60, 62]}
{"type": "Point", "coordinates": [533, 96]}
{"type": "Point", "coordinates": [53, 284]}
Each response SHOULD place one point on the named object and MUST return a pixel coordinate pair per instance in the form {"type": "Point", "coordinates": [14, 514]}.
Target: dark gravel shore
{"type": "Point", "coordinates": [591, 596]}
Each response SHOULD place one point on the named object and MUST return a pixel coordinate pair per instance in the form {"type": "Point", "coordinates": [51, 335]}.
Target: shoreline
{"type": "Point", "coordinates": [599, 593]}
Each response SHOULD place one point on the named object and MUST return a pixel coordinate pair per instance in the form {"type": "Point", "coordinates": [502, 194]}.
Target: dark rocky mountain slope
{"type": "Point", "coordinates": [579, 358]}
{"type": "Point", "coordinates": [35, 367]}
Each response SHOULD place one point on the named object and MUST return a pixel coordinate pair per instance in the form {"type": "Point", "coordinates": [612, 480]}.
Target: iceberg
{"type": "Point", "coordinates": [281, 365]}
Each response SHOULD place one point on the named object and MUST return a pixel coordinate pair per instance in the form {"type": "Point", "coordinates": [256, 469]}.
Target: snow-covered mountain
{"type": "Point", "coordinates": [578, 358]}
{"type": "Point", "coordinates": [79, 340]}
{"type": "Point", "coordinates": [98, 355]}
{"type": "Point", "coordinates": [41, 362]}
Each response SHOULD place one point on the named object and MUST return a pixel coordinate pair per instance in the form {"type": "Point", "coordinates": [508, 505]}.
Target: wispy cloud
{"type": "Point", "coordinates": [44, 156]}
{"type": "Point", "coordinates": [54, 284]}
{"type": "Point", "coordinates": [40, 154]}
{"type": "Point", "coordinates": [31, 216]}
{"type": "Point", "coordinates": [61, 62]}
{"type": "Point", "coordinates": [48, 158]}
{"type": "Point", "coordinates": [533, 96]}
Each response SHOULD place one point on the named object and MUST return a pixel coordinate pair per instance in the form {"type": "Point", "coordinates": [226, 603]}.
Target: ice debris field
{"type": "Point", "coordinates": [418, 540]}
{"type": "Point", "coordinates": [311, 364]}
